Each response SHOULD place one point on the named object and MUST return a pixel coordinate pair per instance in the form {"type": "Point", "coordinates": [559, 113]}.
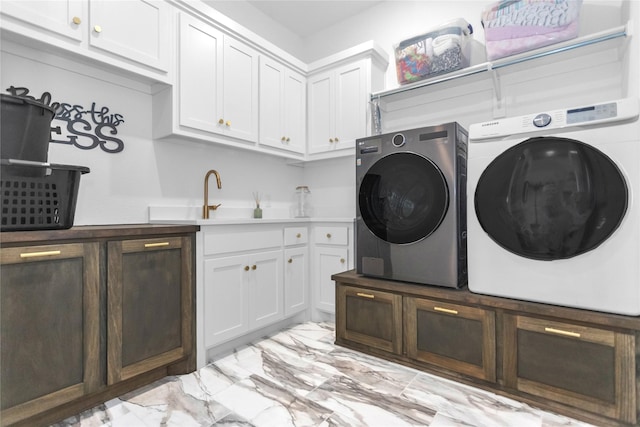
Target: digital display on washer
{"type": "Point", "coordinates": [592, 113]}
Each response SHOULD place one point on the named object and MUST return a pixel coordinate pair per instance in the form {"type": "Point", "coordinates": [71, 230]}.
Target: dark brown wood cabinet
{"type": "Point", "coordinates": [149, 300]}
{"type": "Point", "coordinates": [370, 317]}
{"type": "Point", "coordinates": [574, 362]}
{"type": "Point", "coordinates": [90, 313]}
{"type": "Point", "coordinates": [452, 336]}
{"type": "Point", "coordinates": [582, 366]}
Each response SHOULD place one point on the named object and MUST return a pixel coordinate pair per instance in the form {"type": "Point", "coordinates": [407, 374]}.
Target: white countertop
{"type": "Point", "coordinates": [191, 215]}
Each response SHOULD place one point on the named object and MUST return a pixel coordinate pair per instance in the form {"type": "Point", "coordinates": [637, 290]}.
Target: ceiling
{"type": "Point", "coordinates": [306, 17]}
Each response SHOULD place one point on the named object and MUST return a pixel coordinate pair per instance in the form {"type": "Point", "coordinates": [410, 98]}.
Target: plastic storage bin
{"type": "Point", "coordinates": [516, 26]}
{"type": "Point", "coordinates": [439, 51]}
{"type": "Point", "coordinates": [25, 128]}
{"type": "Point", "coordinates": [38, 196]}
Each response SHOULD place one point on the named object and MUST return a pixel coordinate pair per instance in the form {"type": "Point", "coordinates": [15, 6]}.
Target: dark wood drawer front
{"type": "Point", "coordinates": [441, 334]}
{"type": "Point", "coordinates": [577, 366]}
{"type": "Point", "coordinates": [46, 306]}
{"type": "Point", "coordinates": [371, 318]}
{"type": "Point", "coordinates": [151, 280]}
{"type": "Point", "coordinates": [585, 367]}
{"type": "Point", "coordinates": [452, 336]}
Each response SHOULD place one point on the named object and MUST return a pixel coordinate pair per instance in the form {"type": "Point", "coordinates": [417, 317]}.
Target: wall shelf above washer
{"type": "Point", "coordinates": [599, 41]}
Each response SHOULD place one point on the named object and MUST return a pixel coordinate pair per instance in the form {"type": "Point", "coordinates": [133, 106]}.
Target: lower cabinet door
{"type": "Point", "coordinates": [149, 288]}
{"type": "Point", "coordinates": [585, 367]}
{"type": "Point", "coordinates": [49, 321]}
{"type": "Point", "coordinates": [452, 336]}
{"type": "Point", "coordinates": [371, 318]}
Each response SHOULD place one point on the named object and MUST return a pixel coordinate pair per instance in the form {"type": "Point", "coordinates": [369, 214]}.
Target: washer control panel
{"type": "Point", "coordinates": [579, 116]}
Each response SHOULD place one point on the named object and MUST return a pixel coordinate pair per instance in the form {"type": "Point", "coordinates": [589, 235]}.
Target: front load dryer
{"type": "Point", "coordinates": [554, 212]}
{"type": "Point", "coordinates": [410, 190]}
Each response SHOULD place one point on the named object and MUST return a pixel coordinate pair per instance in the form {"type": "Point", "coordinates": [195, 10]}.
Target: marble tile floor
{"type": "Point", "coordinates": [298, 377]}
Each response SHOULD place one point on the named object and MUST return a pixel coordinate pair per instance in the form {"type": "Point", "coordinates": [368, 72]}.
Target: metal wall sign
{"type": "Point", "coordinates": [82, 127]}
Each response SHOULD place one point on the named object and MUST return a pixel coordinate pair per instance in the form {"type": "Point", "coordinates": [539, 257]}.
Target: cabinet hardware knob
{"type": "Point", "coordinates": [156, 245]}
{"type": "Point", "coordinates": [39, 254]}
{"type": "Point", "coordinates": [246, 268]}
{"type": "Point", "coordinates": [561, 332]}
{"type": "Point", "coordinates": [228, 123]}
{"type": "Point", "coordinates": [76, 20]}
{"type": "Point", "coordinates": [445, 310]}
{"type": "Point", "coordinates": [253, 267]}
{"type": "Point", "coordinates": [288, 139]}
{"type": "Point", "coordinates": [341, 260]}
{"type": "Point", "coordinates": [283, 139]}
{"type": "Point", "coordinates": [336, 139]}
{"type": "Point", "coordinates": [221, 121]}
{"type": "Point", "coordinates": [290, 260]}
{"type": "Point", "coordinates": [298, 235]}
{"type": "Point", "coordinates": [330, 139]}
{"type": "Point", "coordinates": [363, 295]}
{"type": "Point", "coordinates": [97, 28]}
{"type": "Point", "coordinates": [328, 235]}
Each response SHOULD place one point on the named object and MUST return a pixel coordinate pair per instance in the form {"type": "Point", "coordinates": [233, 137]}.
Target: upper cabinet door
{"type": "Point", "coordinates": [62, 17]}
{"type": "Point", "coordinates": [321, 112]}
{"type": "Point", "coordinates": [282, 107]}
{"type": "Point", "coordinates": [351, 104]}
{"type": "Point", "coordinates": [240, 114]}
{"type": "Point", "coordinates": [137, 30]}
{"type": "Point", "coordinates": [200, 74]}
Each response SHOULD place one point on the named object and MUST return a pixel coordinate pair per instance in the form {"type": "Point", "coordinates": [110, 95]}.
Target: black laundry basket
{"type": "Point", "coordinates": [38, 196]}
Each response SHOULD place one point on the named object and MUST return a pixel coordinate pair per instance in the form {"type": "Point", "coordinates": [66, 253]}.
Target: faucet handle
{"type": "Point", "coordinates": [214, 207]}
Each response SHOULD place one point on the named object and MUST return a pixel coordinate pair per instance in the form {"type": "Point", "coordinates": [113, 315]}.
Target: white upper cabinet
{"type": "Point", "coordinates": [218, 82]}
{"type": "Point", "coordinates": [62, 17]}
{"type": "Point", "coordinates": [282, 107]}
{"type": "Point", "coordinates": [121, 33]}
{"type": "Point", "coordinates": [338, 104]}
{"type": "Point", "coordinates": [136, 30]}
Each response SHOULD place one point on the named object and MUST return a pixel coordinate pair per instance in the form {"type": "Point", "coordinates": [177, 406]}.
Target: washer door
{"type": "Point", "coordinates": [551, 198]}
{"type": "Point", "coordinates": [403, 198]}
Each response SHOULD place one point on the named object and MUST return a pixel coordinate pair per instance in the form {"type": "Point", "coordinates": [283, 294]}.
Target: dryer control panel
{"type": "Point", "coordinates": [578, 116]}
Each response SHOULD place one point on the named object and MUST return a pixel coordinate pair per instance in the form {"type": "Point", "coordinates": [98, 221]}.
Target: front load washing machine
{"type": "Point", "coordinates": [554, 212]}
{"type": "Point", "coordinates": [410, 190]}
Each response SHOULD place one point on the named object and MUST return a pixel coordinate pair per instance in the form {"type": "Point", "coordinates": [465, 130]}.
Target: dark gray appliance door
{"type": "Point", "coordinates": [551, 198]}
{"type": "Point", "coordinates": [403, 198]}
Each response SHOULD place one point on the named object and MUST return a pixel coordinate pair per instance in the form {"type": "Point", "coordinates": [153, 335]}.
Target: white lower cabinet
{"type": "Point", "coordinates": [331, 255]}
{"type": "Point", "coordinates": [296, 270]}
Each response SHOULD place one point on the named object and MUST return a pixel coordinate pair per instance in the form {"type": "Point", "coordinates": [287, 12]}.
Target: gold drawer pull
{"type": "Point", "coordinates": [342, 261]}
{"type": "Point", "coordinates": [561, 332]}
{"type": "Point", "coordinates": [298, 235]}
{"type": "Point", "coordinates": [363, 295]}
{"type": "Point", "coordinates": [156, 245]}
{"type": "Point", "coordinates": [328, 235]}
{"type": "Point", "coordinates": [38, 254]}
{"type": "Point", "coordinates": [290, 260]}
{"type": "Point", "coordinates": [445, 310]}
{"type": "Point", "coordinates": [246, 268]}
{"type": "Point", "coordinates": [253, 267]}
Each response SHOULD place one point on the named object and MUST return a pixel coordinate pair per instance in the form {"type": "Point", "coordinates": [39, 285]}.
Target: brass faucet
{"type": "Point", "coordinates": [206, 208]}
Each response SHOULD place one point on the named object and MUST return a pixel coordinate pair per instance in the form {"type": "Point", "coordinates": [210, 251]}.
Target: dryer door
{"type": "Point", "coordinates": [403, 198]}
{"type": "Point", "coordinates": [551, 198]}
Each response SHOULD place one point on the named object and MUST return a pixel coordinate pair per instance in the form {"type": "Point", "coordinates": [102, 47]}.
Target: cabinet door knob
{"type": "Point", "coordinates": [228, 123]}
{"type": "Point", "coordinates": [290, 260]}
{"type": "Point", "coordinates": [288, 139]}
{"type": "Point", "coordinates": [253, 267]}
{"type": "Point", "coordinates": [336, 139]}
{"type": "Point", "coordinates": [221, 121]}
{"type": "Point", "coordinates": [283, 139]}
{"type": "Point", "coordinates": [328, 235]}
{"type": "Point", "coordinates": [246, 268]}
{"type": "Point", "coordinates": [298, 235]}
{"type": "Point", "coordinates": [330, 139]}
{"type": "Point", "coordinates": [341, 260]}
{"type": "Point", "coordinates": [97, 28]}
{"type": "Point", "coordinates": [76, 20]}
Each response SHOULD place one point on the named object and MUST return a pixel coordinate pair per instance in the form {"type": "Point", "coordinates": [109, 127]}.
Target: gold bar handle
{"type": "Point", "coordinates": [361, 294]}
{"type": "Point", "coordinates": [561, 332]}
{"type": "Point", "coordinates": [156, 245]}
{"type": "Point", "coordinates": [445, 310]}
{"type": "Point", "coordinates": [38, 254]}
